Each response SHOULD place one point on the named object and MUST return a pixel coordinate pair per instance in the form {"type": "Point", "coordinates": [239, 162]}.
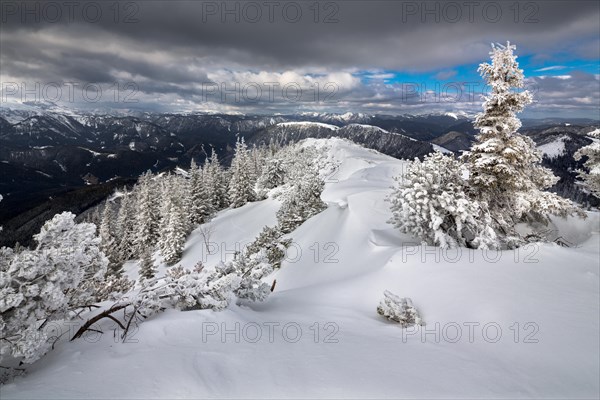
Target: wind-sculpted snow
{"type": "Point", "coordinates": [522, 323]}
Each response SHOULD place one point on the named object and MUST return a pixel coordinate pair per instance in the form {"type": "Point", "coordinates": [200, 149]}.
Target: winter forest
{"type": "Point", "coordinates": [303, 262]}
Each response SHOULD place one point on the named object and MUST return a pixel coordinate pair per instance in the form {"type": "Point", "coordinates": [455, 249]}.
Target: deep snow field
{"type": "Point", "coordinates": [509, 324]}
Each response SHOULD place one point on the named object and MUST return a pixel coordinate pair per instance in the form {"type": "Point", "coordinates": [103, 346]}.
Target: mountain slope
{"type": "Point", "coordinates": [455, 141]}
{"type": "Point", "coordinates": [320, 335]}
{"type": "Point", "coordinates": [373, 137]}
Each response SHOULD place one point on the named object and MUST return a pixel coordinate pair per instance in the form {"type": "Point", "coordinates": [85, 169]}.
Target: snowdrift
{"type": "Point", "coordinates": [518, 323]}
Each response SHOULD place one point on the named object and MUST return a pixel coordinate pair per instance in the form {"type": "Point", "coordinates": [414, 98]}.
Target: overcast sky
{"type": "Point", "coordinates": [388, 57]}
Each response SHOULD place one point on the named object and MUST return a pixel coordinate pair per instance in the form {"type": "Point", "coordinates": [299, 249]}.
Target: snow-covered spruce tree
{"type": "Point", "coordinates": [272, 175]}
{"type": "Point", "coordinates": [147, 217]}
{"type": "Point", "coordinates": [591, 177]}
{"type": "Point", "coordinates": [147, 270]}
{"type": "Point", "coordinates": [44, 284]}
{"type": "Point", "coordinates": [505, 168]}
{"type": "Point", "coordinates": [108, 241]}
{"type": "Point", "coordinates": [215, 180]}
{"type": "Point", "coordinates": [302, 201]}
{"type": "Point", "coordinates": [125, 228]}
{"type": "Point", "coordinates": [201, 203]}
{"type": "Point", "coordinates": [431, 202]}
{"type": "Point", "coordinates": [241, 185]}
{"type": "Point", "coordinates": [258, 157]}
{"type": "Point", "coordinates": [174, 228]}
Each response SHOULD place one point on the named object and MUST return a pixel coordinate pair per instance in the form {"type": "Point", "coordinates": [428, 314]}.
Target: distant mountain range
{"type": "Point", "coordinates": [47, 153]}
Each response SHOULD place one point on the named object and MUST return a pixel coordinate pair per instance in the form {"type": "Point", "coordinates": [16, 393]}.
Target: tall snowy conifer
{"type": "Point", "coordinates": [174, 226]}
{"type": "Point", "coordinates": [216, 180]}
{"type": "Point", "coordinates": [241, 185]}
{"type": "Point", "coordinates": [200, 196]}
{"type": "Point", "coordinates": [108, 241]}
{"type": "Point", "coordinates": [147, 270]}
{"type": "Point", "coordinates": [147, 215]}
{"type": "Point", "coordinates": [125, 234]}
{"type": "Point", "coordinates": [505, 168]}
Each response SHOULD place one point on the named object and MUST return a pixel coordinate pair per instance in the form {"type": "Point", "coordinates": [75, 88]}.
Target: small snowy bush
{"type": "Point", "coordinates": [302, 201]}
{"type": "Point", "coordinates": [204, 288]}
{"type": "Point", "coordinates": [251, 269]}
{"type": "Point", "coordinates": [269, 244]}
{"type": "Point", "coordinates": [431, 203]}
{"type": "Point", "coordinates": [399, 309]}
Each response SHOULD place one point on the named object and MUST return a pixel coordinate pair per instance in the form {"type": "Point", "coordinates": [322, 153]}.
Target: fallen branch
{"type": "Point", "coordinates": [105, 314]}
{"type": "Point", "coordinates": [128, 324]}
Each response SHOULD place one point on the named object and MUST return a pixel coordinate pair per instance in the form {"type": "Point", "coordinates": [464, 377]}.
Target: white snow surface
{"type": "Point", "coordinates": [441, 149]}
{"type": "Point", "coordinates": [295, 124]}
{"type": "Point", "coordinates": [554, 148]}
{"type": "Point", "coordinates": [551, 292]}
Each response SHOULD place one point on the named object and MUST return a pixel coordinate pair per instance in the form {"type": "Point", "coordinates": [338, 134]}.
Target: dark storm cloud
{"type": "Point", "coordinates": [170, 47]}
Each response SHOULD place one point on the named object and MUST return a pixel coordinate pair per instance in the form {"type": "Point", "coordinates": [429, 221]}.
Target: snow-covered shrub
{"type": "Point", "coordinates": [251, 269]}
{"type": "Point", "coordinates": [591, 177]}
{"type": "Point", "coordinates": [399, 309]}
{"type": "Point", "coordinates": [270, 245]}
{"type": "Point", "coordinates": [202, 288]}
{"type": "Point", "coordinates": [210, 288]}
{"type": "Point", "coordinates": [42, 285]}
{"type": "Point", "coordinates": [302, 201]}
{"type": "Point", "coordinates": [430, 202]}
